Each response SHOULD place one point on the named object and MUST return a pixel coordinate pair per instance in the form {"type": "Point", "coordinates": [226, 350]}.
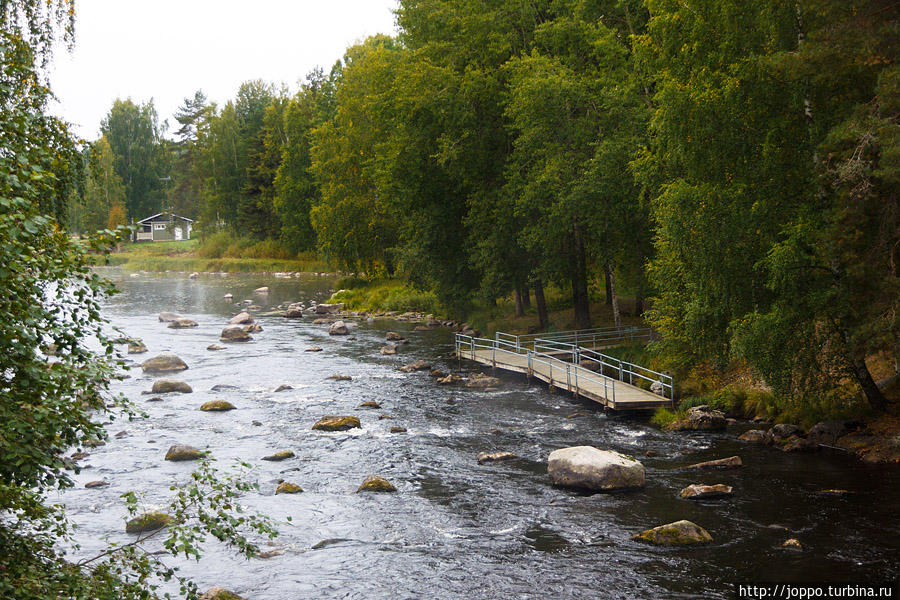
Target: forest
{"type": "Point", "coordinates": [732, 165]}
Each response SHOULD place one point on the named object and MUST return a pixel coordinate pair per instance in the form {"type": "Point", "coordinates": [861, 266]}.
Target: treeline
{"type": "Point", "coordinates": [736, 162]}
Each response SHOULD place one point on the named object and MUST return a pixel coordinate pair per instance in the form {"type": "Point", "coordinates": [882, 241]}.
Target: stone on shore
{"type": "Point", "coordinates": [286, 487]}
{"type": "Point", "coordinates": [705, 492]}
{"type": "Point", "coordinates": [167, 317]}
{"type": "Point", "coordinates": [337, 423]}
{"type": "Point", "coordinates": [164, 363]}
{"type": "Point", "coordinates": [150, 521]}
{"type": "Point", "coordinates": [679, 533]}
{"type": "Point", "coordinates": [243, 318]}
{"type": "Point", "coordinates": [700, 418]}
{"type": "Point", "coordinates": [182, 324]}
{"type": "Point", "coordinates": [756, 436]}
{"type": "Point", "coordinates": [489, 457]}
{"type": "Point", "coordinates": [732, 462]}
{"type": "Point", "coordinates": [217, 406]}
{"type": "Point", "coordinates": [182, 452]}
{"type": "Point", "coordinates": [338, 328]}
{"type": "Point", "coordinates": [279, 456]}
{"type": "Point", "coordinates": [218, 593]}
{"type": "Point", "coordinates": [167, 386]}
{"type": "Point", "coordinates": [374, 483]}
{"type": "Point", "coordinates": [235, 333]}
{"type": "Point", "coordinates": [327, 309]}
{"type": "Point", "coordinates": [590, 468]}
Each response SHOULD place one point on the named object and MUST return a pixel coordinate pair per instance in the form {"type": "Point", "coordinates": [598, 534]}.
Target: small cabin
{"type": "Point", "coordinates": [164, 227]}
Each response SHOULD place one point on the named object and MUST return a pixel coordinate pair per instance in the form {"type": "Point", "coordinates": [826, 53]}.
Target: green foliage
{"type": "Point", "coordinates": [663, 417]}
{"type": "Point", "coordinates": [389, 296]}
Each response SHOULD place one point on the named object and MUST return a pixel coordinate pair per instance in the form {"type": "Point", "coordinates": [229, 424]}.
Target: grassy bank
{"type": "Point", "coordinates": [385, 296]}
{"type": "Point", "coordinates": [189, 256]}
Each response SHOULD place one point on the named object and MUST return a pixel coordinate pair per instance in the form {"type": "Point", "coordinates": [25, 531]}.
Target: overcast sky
{"type": "Point", "coordinates": [168, 49]}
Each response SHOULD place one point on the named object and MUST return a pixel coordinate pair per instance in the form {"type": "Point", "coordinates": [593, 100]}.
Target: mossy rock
{"type": "Point", "coordinates": [181, 452]}
{"type": "Point", "coordinates": [278, 456]}
{"type": "Point", "coordinates": [336, 423]}
{"type": "Point", "coordinates": [374, 483]}
{"type": "Point", "coordinates": [679, 533]}
{"type": "Point", "coordinates": [287, 487]}
{"type": "Point", "coordinates": [217, 406]}
{"type": "Point", "coordinates": [217, 593]}
{"type": "Point", "coordinates": [150, 521]}
{"type": "Point", "coordinates": [167, 386]}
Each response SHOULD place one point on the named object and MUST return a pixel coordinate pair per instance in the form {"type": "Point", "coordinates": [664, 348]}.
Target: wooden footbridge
{"type": "Point", "coordinates": [573, 361]}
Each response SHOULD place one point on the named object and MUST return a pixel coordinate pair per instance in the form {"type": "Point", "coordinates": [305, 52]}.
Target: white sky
{"type": "Point", "coordinates": [168, 49]}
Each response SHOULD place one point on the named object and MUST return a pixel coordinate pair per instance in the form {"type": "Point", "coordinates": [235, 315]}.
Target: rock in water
{"type": "Point", "coordinates": [704, 492]}
{"type": "Point", "coordinates": [283, 388]}
{"type": "Point", "coordinates": [393, 336]}
{"type": "Point", "coordinates": [235, 333]}
{"type": "Point", "coordinates": [327, 309]}
{"type": "Point", "coordinates": [182, 324]}
{"type": "Point", "coordinates": [793, 544]}
{"type": "Point", "coordinates": [168, 317]}
{"type": "Point", "coordinates": [217, 406]}
{"type": "Point", "coordinates": [243, 318]}
{"type": "Point", "coordinates": [756, 436]}
{"type": "Point", "coordinates": [374, 483]}
{"type": "Point", "coordinates": [214, 347]}
{"type": "Point", "coordinates": [732, 462]}
{"type": "Point", "coordinates": [479, 380]}
{"type": "Point", "coordinates": [338, 328]}
{"type": "Point", "coordinates": [253, 328]}
{"type": "Point", "coordinates": [419, 365]}
{"type": "Point", "coordinates": [136, 347]}
{"type": "Point", "coordinates": [590, 468]}
{"type": "Point", "coordinates": [164, 363]}
{"type": "Point", "coordinates": [96, 484]}
{"type": "Point", "coordinates": [286, 487]}
{"type": "Point", "coordinates": [700, 418]}
{"type": "Point", "coordinates": [279, 456]}
{"type": "Point", "coordinates": [261, 290]}
{"type": "Point", "coordinates": [181, 452]}
{"type": "Point", "coordinates": [313, 349]}
{"type": "Point", "coordinates": [398, 429]}
{"type": "Point", "coordinates": [334, 423]}
{"type": "Point", "coordinates": [150, 521]}
{"type": "Point", "coordinates": [217, 593]}
{"type": "Point", "coordinates": [166, 386]}
{"type": "Point", "coordinates": [339, 377]}
{"type": "Point", "coordinates": [389, 349]}
{"type": "Point", "coordinates": [679, 533]}
{"type": "Point", "coordinates": [486, 457]}
{"type": "Point", "coordinates": [293, 313]}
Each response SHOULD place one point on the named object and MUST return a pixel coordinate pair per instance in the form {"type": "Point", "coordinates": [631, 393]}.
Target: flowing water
{"type": "Point", "coordinates": [454, 528]}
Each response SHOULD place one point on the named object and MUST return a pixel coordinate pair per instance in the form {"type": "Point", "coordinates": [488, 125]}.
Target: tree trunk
{"type": "Point", "coordinates": [520, 305]}
{"type": "Point", "coordinates": [526, 297]}
{"type": "Point", "coordinates": [541, 304]}
{"type": "Point", "coordinates": [608, 277]}
{"type": "Point", "coordinates": [580, 299]}
{"type": "Point", "coordinates": [639, 304]}
{"type": "Point", "coordinates": [876, 399]}
{"type": "Point", "coordinates": [611, 282]}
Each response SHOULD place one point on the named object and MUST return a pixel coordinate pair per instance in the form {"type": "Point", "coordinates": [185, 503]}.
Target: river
{"type": "Point", "coordinates": [454, 529]}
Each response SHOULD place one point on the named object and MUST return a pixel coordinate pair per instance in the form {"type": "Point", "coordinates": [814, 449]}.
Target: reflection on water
{"type": "Point", "coordinates": [455, 528]}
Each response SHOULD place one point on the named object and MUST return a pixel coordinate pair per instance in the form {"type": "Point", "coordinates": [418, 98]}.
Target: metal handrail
{"type": "Point", "coordinates": [541, 353]}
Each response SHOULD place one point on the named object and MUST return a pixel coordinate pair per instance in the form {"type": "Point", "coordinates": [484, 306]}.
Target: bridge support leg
{"type": "Point", "coordinates": [552, 387]}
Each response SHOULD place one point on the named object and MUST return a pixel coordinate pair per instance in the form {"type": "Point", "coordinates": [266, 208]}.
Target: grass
{"type": "Point", "coordinates": [385, 296]}
{"type": "Point", "coordinates": [186, 256]}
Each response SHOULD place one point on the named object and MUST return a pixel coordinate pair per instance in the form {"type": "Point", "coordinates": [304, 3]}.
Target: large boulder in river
{"type": "Point", "coordinates": [327, 309]}
{"type": "Point", "coordinates": [166, 386]}
{"type": "Point", "coordinates": [679, 533]}
{"type": "Point", "coordinates": [293, 313]}
{"type": "Point", "coordinates": [480, 380]}
{"type": "Point", "coordinates": [235, 333]}
{"type": "Point", "coordinates": [700, 418]}
{"type": "Point", "coordinates": [218, 593]}
{"type": "Point", "coordinates": [590, 468]}
{"type": "Point", "coordinates": [164, 363]}
{"type": "Point", "coordinates": [150, 521]}
{"type": "Point", "coordinates": [705, 492]}
{"type": "Point", "coordinates": [335, 423]}
{"type": "Point", "coordinates": [374, 483]}
{"type": "Point", "coordinates": [182, 323]}
{"type": "Point", "coordinates": [167, 317]}
{"type": "Point", "coordinates": [182, 452]}
{"type": "Point", "coordinates": [756, 436]}
{"type": "Point", "coordinates": [338, 328]}
{"type": "Point", "coordinates": [243, 318]}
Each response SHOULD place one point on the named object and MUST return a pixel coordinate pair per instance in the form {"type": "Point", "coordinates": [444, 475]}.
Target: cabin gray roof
{"type": "Point", "coordinates": [150, 219]}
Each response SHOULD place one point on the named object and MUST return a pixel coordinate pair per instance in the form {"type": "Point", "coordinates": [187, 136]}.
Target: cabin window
{"type": "Point", "coordinates": [159, 226]}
